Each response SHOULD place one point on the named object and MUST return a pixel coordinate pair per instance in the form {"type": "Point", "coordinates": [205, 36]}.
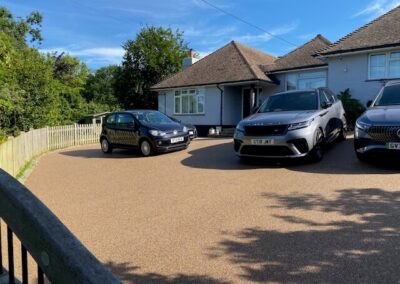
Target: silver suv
{"type": "Point", "coordinates": [292, 124]}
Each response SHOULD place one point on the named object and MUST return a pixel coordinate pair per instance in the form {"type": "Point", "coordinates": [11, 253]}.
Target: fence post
{"type": "Point", "coordinates": [47, 138]}
{"type": "Point", "coordinates": [75, 134]}
{"type": "Point", "coordinates": [13, 156]}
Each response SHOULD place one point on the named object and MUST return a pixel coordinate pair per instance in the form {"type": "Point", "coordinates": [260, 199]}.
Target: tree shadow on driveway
{"type": "Point", "coordinates": [339, 159]}
{"type": "Point", "coordinates": [366, 250]}
{"type": "Point", "coordinates": [127, 273]}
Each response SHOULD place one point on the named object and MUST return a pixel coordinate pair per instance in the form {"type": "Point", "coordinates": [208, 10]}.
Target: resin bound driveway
{"type": "Point", "coordinates": [200, 216]}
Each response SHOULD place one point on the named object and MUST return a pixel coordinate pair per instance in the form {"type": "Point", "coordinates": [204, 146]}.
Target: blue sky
{"type": "Point", "coordinates": [94, 30]}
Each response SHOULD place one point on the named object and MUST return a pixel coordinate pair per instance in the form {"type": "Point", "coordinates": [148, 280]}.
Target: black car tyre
{"type": "Point", "coordinates": [145, 148]}
{"type": "Point", "coordinates": [106, 146]}
{"type": "Point", "coordinates": [317, 153]}
{"type": "Point", "coordinates": [362, 157]}
{"type": "Point", "coordinates": [342, 134]}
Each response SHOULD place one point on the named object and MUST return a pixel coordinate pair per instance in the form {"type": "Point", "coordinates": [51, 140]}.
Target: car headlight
{"type": "Point", "coordinates": [299, 125]}
{"type": "Point", "coordinates": [157, 132]}
{"type": "Point", "coordinates": [362, 125]}
{"type": "Point", "coordinates": [185, 129]}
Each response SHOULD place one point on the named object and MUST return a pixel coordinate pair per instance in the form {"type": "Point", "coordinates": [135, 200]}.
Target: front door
{"type": "Point", "coordinates": [246, 103]}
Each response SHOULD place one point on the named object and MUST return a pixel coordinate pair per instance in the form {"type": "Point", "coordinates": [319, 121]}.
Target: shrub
{"type": "Point", "coordinates": [3, 136]}
{"type": "Point", "coordinates": [353, 107]}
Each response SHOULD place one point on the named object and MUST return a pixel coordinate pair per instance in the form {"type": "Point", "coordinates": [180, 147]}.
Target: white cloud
{"type": "Point", "coordinates": [103, 55]}
{"type": "Point", "coordinates": [264, 37]}
{"type": "Point", "coordinates": [377, 8]}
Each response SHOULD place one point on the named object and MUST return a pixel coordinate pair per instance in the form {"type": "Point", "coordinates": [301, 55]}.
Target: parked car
{"type": "Point", "coordinates": [292, 124]}
{"type": "Point", "coordinates": [377, 130]}
{"type": "Point", "coordinates": [192, 131]}
{"type": "Point", "coordinates": [147, 130]}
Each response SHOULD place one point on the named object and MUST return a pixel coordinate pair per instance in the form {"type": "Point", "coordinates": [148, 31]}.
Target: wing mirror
{"type": "Point", "coordinates": [369, 103]}
{"type": "Point", "coordinates": [326, 105]}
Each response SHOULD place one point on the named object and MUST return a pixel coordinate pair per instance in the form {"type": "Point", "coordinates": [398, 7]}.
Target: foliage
{"type": "Point", "coordinates": [155, 54]}
{"type": "Point", "coordinates": [353, 107]}
{"type": "Point", "coordinates": [51, 89]}
{"type": "Point", "coordinates": [101, 87]}
{"type": "Point", "coordinates": [36, 89]}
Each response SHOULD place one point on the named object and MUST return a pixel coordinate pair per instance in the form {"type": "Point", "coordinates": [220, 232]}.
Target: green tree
{"type": "Point", "coordinates": [155, 54]}
{"type": "Point", "coordinates": [101, 87]}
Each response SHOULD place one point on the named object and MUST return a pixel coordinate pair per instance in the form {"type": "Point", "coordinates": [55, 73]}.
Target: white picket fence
{"type": "Point", "coordinates": [17, 151]}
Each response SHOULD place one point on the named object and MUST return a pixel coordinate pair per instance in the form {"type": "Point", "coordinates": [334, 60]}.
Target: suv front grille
{"type": "Point", "coordinates": [262, 130]}
{"type": "Point", "coordinates": [384, 133]}
{"type": "Point", "coordinates": [275, 151]}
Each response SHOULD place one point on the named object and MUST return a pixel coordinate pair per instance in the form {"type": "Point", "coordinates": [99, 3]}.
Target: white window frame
{"type": "Point", "coordinates": [387, 61]}
{"type": "Point", "coordinates": [189, 93]}
{"type": "Point", "coordinates": [297, 74]}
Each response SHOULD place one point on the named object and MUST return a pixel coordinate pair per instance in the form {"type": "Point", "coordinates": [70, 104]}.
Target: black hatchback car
{"type": "Point", "coordinates": [149, 131]}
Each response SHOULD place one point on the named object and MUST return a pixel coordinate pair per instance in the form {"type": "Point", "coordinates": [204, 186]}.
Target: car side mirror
{"type": "Point", "coordinates": [369, 103]}
{"type": "Point", "coordinates": [326, 105]}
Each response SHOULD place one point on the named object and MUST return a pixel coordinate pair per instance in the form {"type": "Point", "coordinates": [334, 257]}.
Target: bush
{"type": "Point", "coordinates": [353, 107]}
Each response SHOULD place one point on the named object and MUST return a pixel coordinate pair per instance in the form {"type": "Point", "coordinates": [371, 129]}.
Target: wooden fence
{"type": "Point", "coordinates": [17, 151]}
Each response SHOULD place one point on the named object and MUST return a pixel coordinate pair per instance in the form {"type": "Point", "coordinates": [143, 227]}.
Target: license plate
{"type": "Point", "coordinates": [393, 146]}
{"type": "Point", "coordinates": [262, 141]}
{"type": "Point", "coordinates": [177, 139]}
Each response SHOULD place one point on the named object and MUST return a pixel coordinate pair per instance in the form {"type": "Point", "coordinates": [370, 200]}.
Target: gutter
{"type": "Point", "coordinates": [221, 105]}
{"type": "Point", "coordinates": [359, 51]}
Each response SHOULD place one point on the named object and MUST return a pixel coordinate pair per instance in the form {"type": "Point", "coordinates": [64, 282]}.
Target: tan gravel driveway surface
{"type": "Point", "coordinates": [201, 216]}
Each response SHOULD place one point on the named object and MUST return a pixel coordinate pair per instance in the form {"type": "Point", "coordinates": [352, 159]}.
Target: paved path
{"type": "Point", "coordinates": [201, 216]}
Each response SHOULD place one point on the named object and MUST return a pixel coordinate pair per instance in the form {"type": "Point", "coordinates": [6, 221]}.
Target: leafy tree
{"type": "Point", "coordinates": [101, 87]}
{"type": "Point", "coordinates": [155, 53]}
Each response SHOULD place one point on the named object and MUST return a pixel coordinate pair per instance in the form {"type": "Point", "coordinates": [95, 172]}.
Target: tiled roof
{"type": "Point", "coordinates": [234, 62]}
{"type": "Point", "coordinates": [380, 33]}
{"type": "Point", "coordinates": [301, 57]}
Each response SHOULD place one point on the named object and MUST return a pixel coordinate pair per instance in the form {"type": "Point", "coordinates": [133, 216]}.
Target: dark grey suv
{"type": "Point", "coordinates": [378, 129]}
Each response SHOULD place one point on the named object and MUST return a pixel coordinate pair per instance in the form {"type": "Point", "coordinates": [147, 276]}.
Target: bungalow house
{"type": "Point", "coordinates": [223, 87]}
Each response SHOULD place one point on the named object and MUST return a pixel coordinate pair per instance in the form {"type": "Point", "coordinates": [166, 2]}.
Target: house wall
{"type": "Point", "coordinates": [212, 101]}
{"type": "Point", "coordinates": [232, 106]}
{"type": "Point", "coordinates": [352, 72]}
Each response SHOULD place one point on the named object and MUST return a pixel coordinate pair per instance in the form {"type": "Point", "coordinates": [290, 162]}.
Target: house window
{"type": "Point", "coordinates": [305, 80]}
{"type": "Point", "coordinates": [384, 65]}
{"type": "Point", "coordinates": [189, 101]}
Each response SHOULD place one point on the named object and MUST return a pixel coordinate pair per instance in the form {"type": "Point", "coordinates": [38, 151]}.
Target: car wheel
{"type": "Point", "coordinates": [105, 146]}
{"type": "Point", "coordinates": [362, 157]}
{"type": "Point", "coordinates": [342, 134]}
{"type": "Point", "coordinates": [317, 152]}
{"type": "Point", "coordinates": [145, 148]}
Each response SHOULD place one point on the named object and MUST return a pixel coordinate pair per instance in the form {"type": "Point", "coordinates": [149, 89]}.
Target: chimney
{"type": "Point", "coordinates": [189, 60]}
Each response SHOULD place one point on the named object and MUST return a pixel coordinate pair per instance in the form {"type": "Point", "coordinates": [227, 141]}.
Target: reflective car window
{"type": "Point", "coordinates": [124, 119]}
{"type": "Point", "coordinates": [111, 119]}
{"type": "Point", "coordinates": [293, 101]}
{"type": "Point", "coordinates": [389, 96]}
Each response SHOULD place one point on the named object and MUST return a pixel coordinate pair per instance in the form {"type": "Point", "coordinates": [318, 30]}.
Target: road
{"type": "Point", "coordinates": [201, 216]}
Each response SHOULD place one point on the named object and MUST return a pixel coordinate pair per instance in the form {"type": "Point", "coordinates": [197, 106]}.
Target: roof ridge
{"type": "Point", "coordinates": [358, 30]}
{"type": "Point", "coordinates": [235, 44]}
{"type": "Point", "coordinates": [304, 44]}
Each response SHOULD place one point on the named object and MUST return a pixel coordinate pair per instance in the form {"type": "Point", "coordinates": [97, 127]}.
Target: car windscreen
{"type": "Point", "coordinates": [152, 117]}
{"type": "Point", "coordinates": [296, 101]}
{"type": "Point", "coordinates": [389, 96]}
